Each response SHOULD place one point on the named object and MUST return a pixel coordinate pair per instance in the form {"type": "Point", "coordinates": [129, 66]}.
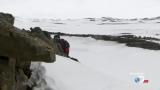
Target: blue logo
{"type": "Point", "coordinates": [137, 79]}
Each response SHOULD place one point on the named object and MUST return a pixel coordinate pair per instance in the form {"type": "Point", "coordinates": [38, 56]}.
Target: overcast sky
{"type": "Point", "coordinates": [81, 8]}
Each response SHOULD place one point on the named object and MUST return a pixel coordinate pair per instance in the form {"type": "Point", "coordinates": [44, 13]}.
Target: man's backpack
{"type": "Point", "coordinates": [64, 43]}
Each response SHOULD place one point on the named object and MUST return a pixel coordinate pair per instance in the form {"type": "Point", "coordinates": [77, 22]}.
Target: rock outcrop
{"type": "Point", "coordinates": [17, 49]}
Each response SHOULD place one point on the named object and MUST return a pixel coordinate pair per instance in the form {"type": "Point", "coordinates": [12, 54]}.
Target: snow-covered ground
{"type": "Point", "coordinates": [104, 65]}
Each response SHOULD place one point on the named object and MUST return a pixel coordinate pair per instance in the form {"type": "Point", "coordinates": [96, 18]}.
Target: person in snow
{"type": "Point", "coordinates": [62, 44]}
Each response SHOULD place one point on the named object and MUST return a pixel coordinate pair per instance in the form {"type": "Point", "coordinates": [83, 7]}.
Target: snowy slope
{"type": "Point", "coordinates": [76, 76]}
{"type": "Point", "coordinates": [104, 65]}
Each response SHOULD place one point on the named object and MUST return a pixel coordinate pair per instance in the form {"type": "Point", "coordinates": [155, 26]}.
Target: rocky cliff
{"type": "Point", "coordinates": [17, 49]}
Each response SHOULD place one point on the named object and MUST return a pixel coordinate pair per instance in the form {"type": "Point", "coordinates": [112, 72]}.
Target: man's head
{"type": "Point", "coordinates": [57, 36]}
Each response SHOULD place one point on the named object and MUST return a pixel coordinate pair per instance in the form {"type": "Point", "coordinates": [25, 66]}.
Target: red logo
{"type": "Point", "coordinates": [146, 81]}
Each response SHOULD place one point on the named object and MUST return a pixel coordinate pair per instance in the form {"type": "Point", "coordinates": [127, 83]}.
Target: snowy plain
{"type": "Point", "coordinates": [104, 65]}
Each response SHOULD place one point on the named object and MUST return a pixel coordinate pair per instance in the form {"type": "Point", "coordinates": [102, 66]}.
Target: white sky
{"type": "Point", "coordinates": [81, 8]}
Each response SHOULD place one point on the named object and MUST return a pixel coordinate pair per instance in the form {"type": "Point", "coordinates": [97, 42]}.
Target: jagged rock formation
{"type": "Point", "coordinates": [18, 48]}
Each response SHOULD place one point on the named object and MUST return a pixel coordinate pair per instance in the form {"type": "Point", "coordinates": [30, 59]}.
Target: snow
{"type": "Point", "coordinates": [104, 65]}
{"type": "Point", "coordinates": [77, 76]}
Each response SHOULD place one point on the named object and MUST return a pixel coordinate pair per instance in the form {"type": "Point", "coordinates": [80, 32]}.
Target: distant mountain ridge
{"type": "Point", "coordinates": [111, 19]}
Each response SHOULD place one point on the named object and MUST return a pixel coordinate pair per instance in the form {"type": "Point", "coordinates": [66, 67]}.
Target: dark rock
{"type": "Point", "coordinates": [18, 48]}
{"type": "Point", "coordinates": [7, 17]}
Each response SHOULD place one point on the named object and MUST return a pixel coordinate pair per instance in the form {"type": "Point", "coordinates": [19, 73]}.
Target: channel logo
{"type": "Point", "coordinates": [138, 79]}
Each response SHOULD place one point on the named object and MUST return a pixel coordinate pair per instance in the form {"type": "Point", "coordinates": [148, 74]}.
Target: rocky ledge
{"type": "Point", "coordinates": [18, 49]}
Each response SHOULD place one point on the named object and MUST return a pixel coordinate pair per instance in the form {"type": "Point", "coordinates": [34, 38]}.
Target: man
{"type": "Point", "coordinates": [62, 45]}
